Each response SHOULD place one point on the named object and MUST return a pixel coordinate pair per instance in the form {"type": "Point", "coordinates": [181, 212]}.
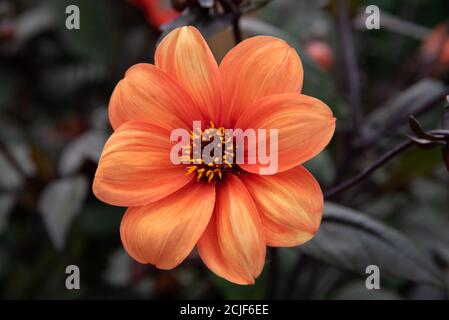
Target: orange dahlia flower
{"type": "Point", "coordinates": [321, 53]}
{"type": "Point", "coordinates": [437, 44]}
{"type": "Point", "coordinates": [230, 212]}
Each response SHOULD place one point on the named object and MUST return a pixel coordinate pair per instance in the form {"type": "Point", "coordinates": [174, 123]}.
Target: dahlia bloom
{"type": "Point", "coordinates": [321, 53]}
{"type": "Point", "coordinates": [436, 44]}
{"type": "Point", "coordinates": [232, 212]}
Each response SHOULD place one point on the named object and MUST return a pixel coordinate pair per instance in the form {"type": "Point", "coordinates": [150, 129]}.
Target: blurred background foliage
{"type": "Point", "coordinates": [54, 89]}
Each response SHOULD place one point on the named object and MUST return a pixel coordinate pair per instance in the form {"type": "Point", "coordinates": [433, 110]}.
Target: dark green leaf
{"type": "Point", "coordinates": [352, 241]}
{"type": "Point", "coordinates": [86, 147]}
{"type": "Point", "coordinates": [428, 229]}
{"type": "Point", "coordinates": [408, 102]}
{"type": "Point", "coordinates": [59, 203]}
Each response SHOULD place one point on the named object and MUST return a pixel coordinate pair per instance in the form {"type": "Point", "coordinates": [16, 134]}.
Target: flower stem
{"type": "Point", "coordinates": [365, 173]}
{"type": "Point", "coordinates": [350, 64]}
{"type": "Point", "coordinates": [236, 29]}
{"type": "Point", "coordinates": [11, 159]}
{"type": "Point", "coordinates": [229, 6]}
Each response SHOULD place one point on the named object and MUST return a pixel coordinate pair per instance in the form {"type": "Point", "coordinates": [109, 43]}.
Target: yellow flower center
{"type": "Point", "coordinates": [219, 164]}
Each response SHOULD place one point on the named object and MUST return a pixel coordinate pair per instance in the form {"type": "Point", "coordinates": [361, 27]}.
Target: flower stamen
{"type": "Point", "coordinates": [211, 171]}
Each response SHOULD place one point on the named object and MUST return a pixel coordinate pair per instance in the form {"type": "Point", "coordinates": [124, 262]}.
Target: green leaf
{"type": "Point", "coordinates": [407, 103]}
{"type": "Point", "coordinates": [59, 203]}
{"type": "Point", "coordinates": [352, 241]}
{"type": "Point", "coordinates": [86, 147]}
{"type": "Point", "coordinates": [17, 165]}
{"type": "Point", "coordinates": [9, 179]}
{"type": "Point", "coordinates": [428, 229]}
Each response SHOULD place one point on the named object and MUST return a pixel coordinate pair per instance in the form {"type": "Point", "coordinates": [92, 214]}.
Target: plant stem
{"type": "Point", "coordinates": [236, 29]}
{"type": "Point", "coordinates": [365, 173]}
{"type": "Point", "coordinates": [353, 85]}
{"type": "Point", "coordinates": [11, 159]}
{"type": "Point", "coordinates": [350, 64]}
{"type": "Point", "coordinates": [229, 6]}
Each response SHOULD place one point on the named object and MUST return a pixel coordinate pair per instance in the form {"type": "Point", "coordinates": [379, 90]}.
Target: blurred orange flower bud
{"type": "Point", "coordinates": [321, 53]}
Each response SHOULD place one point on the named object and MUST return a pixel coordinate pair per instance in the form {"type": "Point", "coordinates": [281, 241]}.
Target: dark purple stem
{"type": "Point", "coordinates": [365, 173]}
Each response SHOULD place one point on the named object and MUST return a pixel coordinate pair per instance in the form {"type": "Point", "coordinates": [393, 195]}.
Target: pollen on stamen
{"type": "Point", "coordinates": [211, 171]}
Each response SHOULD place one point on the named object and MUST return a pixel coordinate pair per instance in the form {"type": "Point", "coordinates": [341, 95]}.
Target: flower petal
{"type": "Point", "coordinates": [135, 167]}
{"type": "Point", "coordinates": [305, 126]}
{"type": "Point", "coordinates": [163, 233]}
{"type": "Point", "coordinates": [290, 205]}
{"type": "Point", "coordinates": [146, 93]}
{"type": "Point", "coordinates": [185, 55]}
{"type": "Point", "coordinates": [256, 68]}
{"type": "Point", "coordinates": [233, 245]}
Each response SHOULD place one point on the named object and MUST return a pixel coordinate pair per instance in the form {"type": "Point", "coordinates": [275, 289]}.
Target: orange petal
{"type": "Point", "coordinates": [305, 126]}
{"type": "Point", "coordinates": [148, 94]}
{"type": "Point", "coordinates": [233, 245]}
{"type": "Point", "coordinates": [185, 55]}
{"type": "Point", "coordinates": [290, 205]}
{"type": "Point", "coordinates": [256, 68]}
{"type": "Point", "coordinates": [135, 168]}
{"type": "Point", "coordinates": [163, 233]}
